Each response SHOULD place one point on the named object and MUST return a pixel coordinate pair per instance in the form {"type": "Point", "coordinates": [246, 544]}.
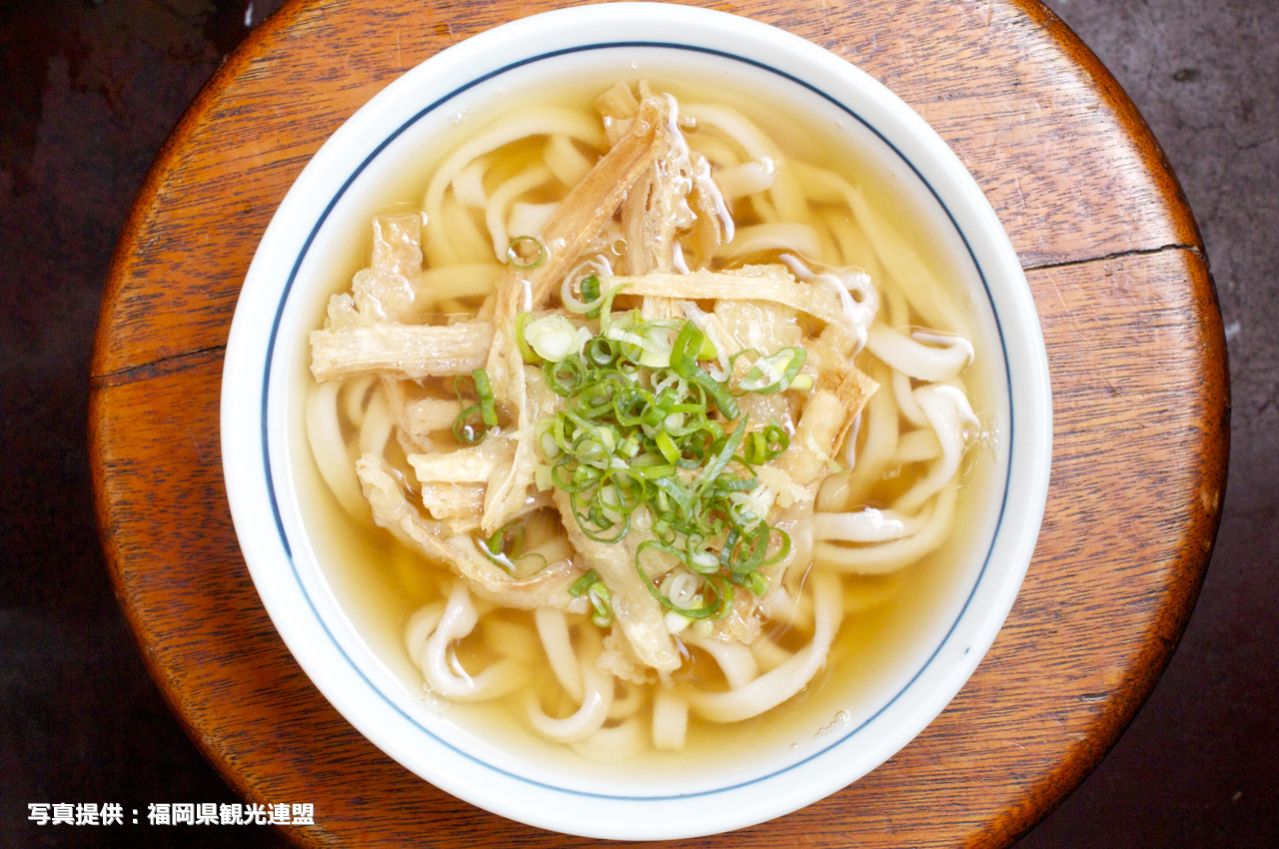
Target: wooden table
{"type": "Point", "coordinates": [1135, 347]}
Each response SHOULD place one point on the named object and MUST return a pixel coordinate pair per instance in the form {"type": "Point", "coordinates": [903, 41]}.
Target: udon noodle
{"type": "Point", "coordinates": [643, 394]}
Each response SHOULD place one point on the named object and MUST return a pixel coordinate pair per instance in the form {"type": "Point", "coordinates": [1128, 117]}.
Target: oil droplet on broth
{"type": "Point", "coordinates": [436, 704]}
{"type": "Point", "coordinates": [841, 719]}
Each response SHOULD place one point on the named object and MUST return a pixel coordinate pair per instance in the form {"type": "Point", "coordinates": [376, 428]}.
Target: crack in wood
{"type": "Point", "coordinates": [160, 367]}
{"type": "Point", "coordinates": [1174, 246]}
{"type": "Point", "coordinates": [172, 363]}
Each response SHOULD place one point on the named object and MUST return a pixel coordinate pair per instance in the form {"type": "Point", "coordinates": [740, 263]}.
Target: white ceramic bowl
{"type": "Point", "coordinates": [264, 450]}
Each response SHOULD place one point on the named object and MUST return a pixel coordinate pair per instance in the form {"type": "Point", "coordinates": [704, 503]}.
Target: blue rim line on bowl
{"type": "Point", "coordinates": [436, 105]}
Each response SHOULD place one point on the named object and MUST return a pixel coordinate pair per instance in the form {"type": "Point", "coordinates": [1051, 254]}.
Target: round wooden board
{"type": "Point", "coordinates": [1140, 403]}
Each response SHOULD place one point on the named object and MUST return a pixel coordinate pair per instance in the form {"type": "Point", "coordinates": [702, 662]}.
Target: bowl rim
{"type": "Point", "coordinates": [1028, 398]}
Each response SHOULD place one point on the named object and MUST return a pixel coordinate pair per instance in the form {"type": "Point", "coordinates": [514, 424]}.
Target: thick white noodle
{"type": "Point", "coordinates": [445, 675]}
{"type": "Point", "coordinates": [820, 185]}
{"type": "Point", "coordinates": [596, 688]}
{"type": "Point", "coordinates": [774, 687]}
{"type": "Point", "coordinates": [552, 628]}
{"type": "Point", "coordinates": [614, 744]}
{"type": "Point", "coordinates": [420, 626]}
{"type": "Point", "coordinates": [455, 237]}
{"type": "Point", "coordinates": [850, 442]}
{"type": "Point", "coordinates": [456, 281]}
{"type": "Point", "coordinates": [785, 195]}
{"type": "Point", "coordinates": [375, 430]}
{"type": "Point", "coordinates": [530, 219]}
{"type": "Point", "coordinates": [917, 446]}
{"type": "Point", "coordinates": [324, 433]}
{"type": "Point", "coordinates": [780, 236]}
{"type": "Point", "coordinates": [768, 654]}
{"type": "Point", "coordinates": [567, 163]}
{"type": "Point", "coordinates": [931, 363]}
{"type": "Point", "coordinates": [948, 413]}
{"type": "Point", "coordinates": [904, 392]}
{"type": "Point", "coordinates": [719, 151]}
{"type": "Point", "coordinates": [792, 609]}
{"type": "Point", "coordinates": [522, 123]}
{"type": "Point", "coordinates": [628, 699]}
{"type": "Point", "coordinates": [747, 178]}
{"type": "Point", "coordinates": [882, 558]}
{"type": "Point", "coordinates": [468, 185]}
{"type": "Point", "coordinates": [734, 659]}
{"type": "Point", "coordinates": [930, 299]}
{"type": "Point", "coordinates": [670, 720]}
{"type": "Point", "coordinates": [858, 297]}
{"type": "Point", "coordinates": [854, 248]}
{"type": "Point", "coordinates": [866, 525]}
{"type": "Point", "coordinates": [498, 208]}
{"type": "Point", "coordinates": [355, 396]}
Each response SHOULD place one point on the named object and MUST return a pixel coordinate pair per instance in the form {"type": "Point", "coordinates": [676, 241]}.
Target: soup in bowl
{"type": "Point", "coordinates": [636, 436]}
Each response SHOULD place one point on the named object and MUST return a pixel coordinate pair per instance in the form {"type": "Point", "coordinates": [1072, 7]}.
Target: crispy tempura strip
{"type": "Point", "coordinates": [448, 542]}
{"type": "Point", "coordinates": [676, 197]}
{"type": "Point", "coordinates": [651, 216]}
{"type": "Point", "coordinates": [617, 107]}
{"type": "Point", "coordinates": [751, 283]}
{"type": "Point", "coordinates": [590, 205]}
{"type": "Point", "coordinates": [823, 425]}
{"type": "Point", "coordinates": [457, 502]}
{"type": "Point", "coordinates": [474, 464]}
{"type": "Point", "coordinates": [822, 428]}
{"type": "Point", "coordinates": [583, 213]}
{"type": "Point", "coordinates": [638, 614]}
{"type": "Point", "coordinates": [416, 351]}
{"type": "Point", "coordinates": [400, 350]}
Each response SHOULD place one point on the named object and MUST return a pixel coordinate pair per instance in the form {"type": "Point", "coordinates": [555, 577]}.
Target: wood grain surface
{"type": "Point", "coordinates": [1135, 348]}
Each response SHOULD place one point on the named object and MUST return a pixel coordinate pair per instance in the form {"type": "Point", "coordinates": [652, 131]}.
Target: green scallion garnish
{"type": "Point", "coordinates": [597, 594]}
{"type": "Point", "coordinates": [474, 421]}
{"type": "Point", "coordinates": [645, 426]}
{"type": "Point", "coordinates": [488, 405]}
{"type": "Point", "coordinates": [525, 252]}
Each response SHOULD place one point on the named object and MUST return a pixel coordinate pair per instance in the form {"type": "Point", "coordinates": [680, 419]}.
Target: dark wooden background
{"type": "Point", "coordinates": [88, 92]}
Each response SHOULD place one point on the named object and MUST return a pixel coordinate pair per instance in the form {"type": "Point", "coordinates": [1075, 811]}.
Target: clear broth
{"type": "Point", "coordinates": [876, 651]}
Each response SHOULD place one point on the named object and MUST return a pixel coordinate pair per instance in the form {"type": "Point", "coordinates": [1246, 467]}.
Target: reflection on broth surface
{"type": "Point", "coordinates": [650, 427]}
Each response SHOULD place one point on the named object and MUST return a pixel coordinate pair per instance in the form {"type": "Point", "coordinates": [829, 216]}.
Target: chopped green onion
{"type": "Point", "coordinates": [756, 583]}
{"type": "Point", "coordinates": [597, 594]}
{"type": "Point", "coordinates": [467, 426]}
{"type": "Point", "coordinates": [505, 547]}
{"type": "Point", "coordinates": [591, 295]}
{"type": "Point", "coordinates": [721, 595]}
{"type": "Point", "coordinates": [552, 337]}
{"type": "Point", "coordinates": [775, 372]}
{"type": "Point", "coordinates": [684, 351]}
{"type": "Point", "coordinates": [527, 353]}
{"type": "Point", "coordinates": [582, 584]}
{"type": "Point", "coordinates": [802, 382]}
{"type": "Point", "coordinates": [473, 422]}
{"type": "Point", "coordinates": [643, 425]}
{"type": "Point", "coordinates": [565, 376]}
{"type": "Point", "coordinates": [767, 444]}
{"type": "Point", "coordinates": [488, 405]}
{"type": "Point", "coordinates": [667, 446]}
{"type": "Point", "coordinates": [525, 253]}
